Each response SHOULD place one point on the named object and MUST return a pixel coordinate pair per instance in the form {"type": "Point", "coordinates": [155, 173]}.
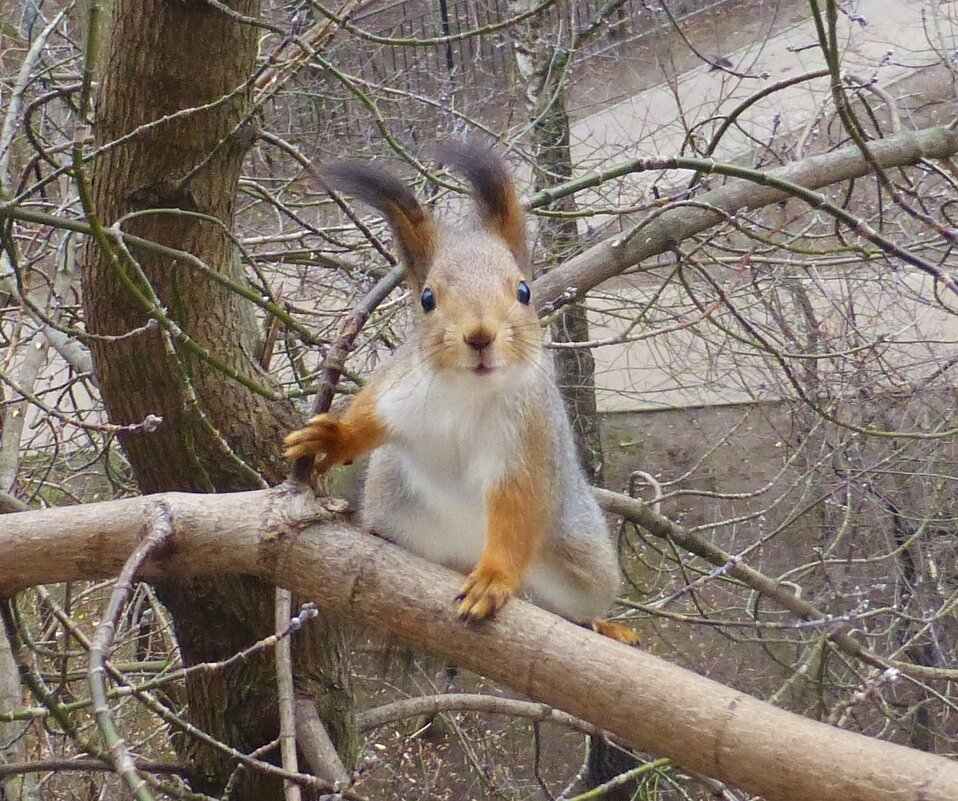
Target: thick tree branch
{"type": "Point", "coordinates": [290, 537]}
{"type": "Point", "coordinates": [616, 254]}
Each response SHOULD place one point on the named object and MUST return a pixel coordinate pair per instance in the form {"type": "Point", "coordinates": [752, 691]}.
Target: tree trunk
{"type": "Point", "coordinates": [541, 66]}
{"type": "Point", "coordinates": [166, 57]}
{"type": "Point", "coordinates": [215, 434]}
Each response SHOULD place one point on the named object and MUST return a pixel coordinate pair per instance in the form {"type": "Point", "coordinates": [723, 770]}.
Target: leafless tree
{"type": "Point", "coordinates": [747, 272]}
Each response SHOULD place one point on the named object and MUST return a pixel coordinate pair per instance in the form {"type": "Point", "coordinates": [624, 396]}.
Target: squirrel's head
{"type": "Point", "coordinates": [474, 310]}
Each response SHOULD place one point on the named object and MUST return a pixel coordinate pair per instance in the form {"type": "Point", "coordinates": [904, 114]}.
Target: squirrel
{"type": "Point", "coordinates": [473, 464]}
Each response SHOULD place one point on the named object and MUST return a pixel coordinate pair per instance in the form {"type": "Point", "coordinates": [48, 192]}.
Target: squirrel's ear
{"type": "Point", "coordinates": [499, 207]}
{"type": "Point", "coordinates": [412, 225]}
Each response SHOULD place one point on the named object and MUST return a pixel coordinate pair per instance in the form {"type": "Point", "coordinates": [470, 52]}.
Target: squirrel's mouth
{"type": "Point", "coordinates": [482, 369]}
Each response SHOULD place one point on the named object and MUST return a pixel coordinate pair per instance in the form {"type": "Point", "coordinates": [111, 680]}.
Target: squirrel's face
{"type": "Point", "coordinates": [475, 317]}
{"type": "Point", "coordinates": [475, 311]}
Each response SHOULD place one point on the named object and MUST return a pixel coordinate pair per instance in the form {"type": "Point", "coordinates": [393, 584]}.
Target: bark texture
{"type": "Point", "coordinates": [166, 58]}
{"type": "Point", "coordinates": [649, 703]}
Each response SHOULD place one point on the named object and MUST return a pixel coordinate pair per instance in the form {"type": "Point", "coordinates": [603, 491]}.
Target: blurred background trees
{"type": "Point", "coordinates": [777, 379]}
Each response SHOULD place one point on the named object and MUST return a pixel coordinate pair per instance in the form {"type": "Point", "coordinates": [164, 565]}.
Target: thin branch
{"type": "Point", "coordinates": [468, 702]}
{"type": "Point", "coordinates": [284, 694]}
{"type": "Point", "coordinates": [333, 365]}
{"type": "Point", "coordinates": [344, 23]}
{"type": "Point", "coordinates": [317, 746]}
{"type": "Point", "coordinates": [602, 790]}
{"type": "Point", "coordinates": [81, 764]}
{"type": "Point", "coordinates": [12, 117]}
{"type": "Point", "coordinates": [246, 761]}
{"type": "Point", "coordinates": [612, 256]}
{"type": "Point", "coordinates": [660, 526]}
{"type": "Point", "coordinates": [160, 530]}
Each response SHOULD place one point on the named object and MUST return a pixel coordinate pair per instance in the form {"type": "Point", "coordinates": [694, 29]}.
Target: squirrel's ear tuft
{"type": "Point", "coordinates": [499, 206]}
{"type": "Point", "coordinates": [412, 225]}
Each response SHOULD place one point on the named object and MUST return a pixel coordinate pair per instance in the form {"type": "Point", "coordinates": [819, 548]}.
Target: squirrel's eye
{"type": "Point", "coordinates": [523, 293]}
{"type": "Point", "coordinates": [428, 300]}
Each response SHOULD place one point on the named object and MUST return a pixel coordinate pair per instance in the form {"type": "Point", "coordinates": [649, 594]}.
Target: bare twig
{"type": "Point", "coordinates": [468, 702]}
{"type": "Point", "coordinates": [245, 761]}
{"type": "Point", "coordinates": [82, 764]}
{"type": "Point", "coordinates": [160, 530]}
{"type": "Point", "coordinates": [641, 514]}
{"type": "Point", "coordinates": [602, 790]}
{"type": "Point", "coordinates": [284, 694]}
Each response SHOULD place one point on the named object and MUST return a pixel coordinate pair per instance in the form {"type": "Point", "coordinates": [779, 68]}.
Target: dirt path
{"type": "Point", "coordinates": [657, 54]}
{"type": "Point", "coordinates": [894, 50]}
{"type": "Point", "coordinates": [889, 41]}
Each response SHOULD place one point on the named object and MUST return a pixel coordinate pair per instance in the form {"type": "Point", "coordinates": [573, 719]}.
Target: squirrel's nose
{"type": "Point", "coordinates": [479, 339]}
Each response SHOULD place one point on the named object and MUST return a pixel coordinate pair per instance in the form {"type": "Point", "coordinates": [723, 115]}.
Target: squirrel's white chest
{"type": "Point", "coordinates": [457, 432]}
{"type": "Point", "coordinates": [452, 441]}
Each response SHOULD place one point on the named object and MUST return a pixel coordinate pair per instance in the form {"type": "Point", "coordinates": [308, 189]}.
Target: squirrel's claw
{"type": "Point", "coordinates": [323, 435]}
{"type": "Point", "coordinates": [484, 593]}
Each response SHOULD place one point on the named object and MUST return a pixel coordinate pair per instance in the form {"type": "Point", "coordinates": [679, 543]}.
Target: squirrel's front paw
{"type": "Point", "coordinates": [321, 435]}
{"type": "Point", "coordinates": [484, 593]}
